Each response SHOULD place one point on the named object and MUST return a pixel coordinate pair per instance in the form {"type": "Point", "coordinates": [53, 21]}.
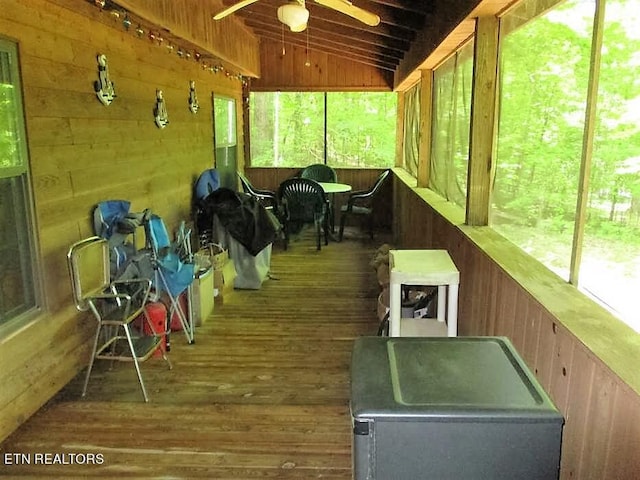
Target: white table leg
{"type": "Point", "coordinates": [395, 307]}
{"type": "Point", "coordinates": [452, 316]}
{"type": "Point", "coordinates": [442, 302]}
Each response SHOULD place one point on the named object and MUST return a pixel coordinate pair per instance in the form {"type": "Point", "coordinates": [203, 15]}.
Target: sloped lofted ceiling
{"type": "Point", "coordinates": [332, 32]}
{"type": "Point", "coordinates": [411, 35]}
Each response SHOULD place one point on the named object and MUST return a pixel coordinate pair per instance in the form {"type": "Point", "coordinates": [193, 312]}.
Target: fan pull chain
{"type": "Point", "coordinates": [307, 63]}
{"type": "Point", "coordinates": [284, 52]}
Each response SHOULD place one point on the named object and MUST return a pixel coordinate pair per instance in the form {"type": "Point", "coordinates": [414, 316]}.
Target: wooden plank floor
{"type": "Point", "coordinates": [263, 393]}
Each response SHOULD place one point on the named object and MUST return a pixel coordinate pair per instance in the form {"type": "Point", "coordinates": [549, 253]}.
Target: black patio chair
{"type": "Point", "coordinates": [303, 201]}
{"type": "Point", "coordinates": [361, 203]}
{"type": "Point", "coordinates": [323, 173]}
{"type": "Point", "coordinates": [266, 197]}
{"type": "Point", "coordinates": [320, 173]}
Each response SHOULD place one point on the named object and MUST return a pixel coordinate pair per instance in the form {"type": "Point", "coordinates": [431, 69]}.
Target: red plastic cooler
{"type": "Point", "coordinates": [157, 315]}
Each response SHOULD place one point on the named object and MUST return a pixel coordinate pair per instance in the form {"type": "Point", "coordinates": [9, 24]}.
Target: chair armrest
{"type": "Point", "coordinates": [130, 295]}
{"type": "Point", "coordinates": [137, 288]}
{"type": "Point", "coordinates": [115, 308]}
{"type": "Point", "coordinates": [358, 196]}
{"type": "Point", "coordinates": [265, 193]}
{"type": "Point", "coordinates": [144, 282]}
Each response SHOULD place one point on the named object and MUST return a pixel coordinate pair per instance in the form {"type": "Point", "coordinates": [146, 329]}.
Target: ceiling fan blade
{"type": "Point", "coordinates": [233, 8]}
{"type": "Point", "coordinates": [348, 8]}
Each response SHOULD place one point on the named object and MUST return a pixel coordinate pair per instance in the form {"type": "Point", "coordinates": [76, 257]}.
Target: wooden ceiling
{"type": "Point", "coordinates": [412, 34]}
{"type": "Point", "coordinates": [329, 31]}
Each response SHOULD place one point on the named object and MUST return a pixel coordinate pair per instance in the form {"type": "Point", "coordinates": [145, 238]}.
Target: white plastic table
{"type": "Point", "coordinates": [424, 268]}
{"type": "Point", "coordinates": [332, 187]}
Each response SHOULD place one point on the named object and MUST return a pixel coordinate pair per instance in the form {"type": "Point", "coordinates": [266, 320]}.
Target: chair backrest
{"type": "Point", "coordinates": [266, 197]}
{"type": "Point", "coordinates": [379, 182]}
{"type": "Point", "coordinates": [246, 184]}
{"type": "Point", "coordinates": [157, 236]}
{"type": "Point", "coordinates": [303, 198]}
{"type": "Point", "coordinates": [320, 173]}
{"type": "Point", "coordinates": [88, 262]}
{"type": "Point", "coordinates": [176, 273]}
{"type": "Point", "coordinates": [107, 215]}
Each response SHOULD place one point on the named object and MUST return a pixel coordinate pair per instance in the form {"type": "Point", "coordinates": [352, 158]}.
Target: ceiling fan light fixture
{"type": "Point", "coordinates": [293, 15]}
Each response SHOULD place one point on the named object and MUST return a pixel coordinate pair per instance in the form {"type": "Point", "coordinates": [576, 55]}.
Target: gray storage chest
{"type": "Point", "coordinates": [449, 408]}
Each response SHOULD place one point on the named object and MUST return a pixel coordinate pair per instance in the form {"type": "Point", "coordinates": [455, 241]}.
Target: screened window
{"type": "Point", "coordinates": [610, 266]}
{"type": "Point", "coordinates": [544, 68]}
{"type": "Point", "coordinates": [411, 140]}
{"type": "Point", "coordinates": [361, 129]}
{"type": "Point", "coordinates": [17, 257]}
{"type": "Point", "coordinates": [287, 129]}
{"type": "Point", "coordinates": [295, 129]}
{"type": "Point", "coordinates": [450, 127]}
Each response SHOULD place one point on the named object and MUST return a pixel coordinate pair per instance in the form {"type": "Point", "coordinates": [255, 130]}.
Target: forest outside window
{"type": "Point", "coordinates": [544, 77]}
{"type": "Point", "coordinates": [18, 293]}
{"type": "Point", "coordinates": [610, 264]}
{"type": "Point", "coordinates": [342, 129]}
{"type": "Point", "coordinates": [543, 95]}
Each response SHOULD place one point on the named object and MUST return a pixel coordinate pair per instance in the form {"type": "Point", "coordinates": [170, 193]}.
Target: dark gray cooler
{"type": "Point", "coordinates": [449, 408]}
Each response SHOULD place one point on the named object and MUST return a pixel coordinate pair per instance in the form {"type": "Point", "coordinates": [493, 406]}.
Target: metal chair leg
{"type": "Point", "coordinates": [93, 358]}
{"type": "Point", "coordinates": [135, 362]}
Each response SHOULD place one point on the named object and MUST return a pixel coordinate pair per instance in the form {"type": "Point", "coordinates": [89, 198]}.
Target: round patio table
{"type": "Point", "coordinates": [330, 187]}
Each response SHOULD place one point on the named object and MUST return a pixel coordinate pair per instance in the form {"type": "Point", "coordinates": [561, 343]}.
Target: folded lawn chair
{"type": "Point", "coordinates": [113, 222]}
{"type": "Point", "coordinates": [173, 268]}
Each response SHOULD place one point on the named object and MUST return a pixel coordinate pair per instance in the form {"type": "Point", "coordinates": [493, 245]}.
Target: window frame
{"type": "Point", "coordinates": [22, 173]}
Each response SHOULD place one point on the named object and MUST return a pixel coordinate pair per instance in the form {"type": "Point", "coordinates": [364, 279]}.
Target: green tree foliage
{"type": "Point", "coordinates": [543, 87]}
{"type": "Point", "coordinates": [545, 72]}
{"type": "Point", "coordinates": [288, 129]}
{"type": "Point", "coordinates": [545, 66]}
{"type": "Point", "coordinates": [361, 129]}
{"type": "Point", "coordinates": [9, 155]}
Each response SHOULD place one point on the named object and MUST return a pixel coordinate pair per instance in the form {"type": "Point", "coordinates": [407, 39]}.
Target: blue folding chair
{"type": "Point", "coordinates": [173, 268]}
{"type": "Point", "coordinates": [113, 222]}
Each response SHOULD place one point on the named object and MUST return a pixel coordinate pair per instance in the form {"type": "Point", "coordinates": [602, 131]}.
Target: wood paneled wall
{"type": "Point", "coordinates": [82, 152]}
{"type": "Point", "coordinates": [230, 40]}
{"type": "Point", "coordinates": [325, 73]}
{"type": "Point", "coordinates": [601, 436]}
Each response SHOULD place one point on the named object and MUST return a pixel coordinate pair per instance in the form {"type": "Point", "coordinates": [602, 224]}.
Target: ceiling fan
{"type": "Point", "coordinates": [295, 15]}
